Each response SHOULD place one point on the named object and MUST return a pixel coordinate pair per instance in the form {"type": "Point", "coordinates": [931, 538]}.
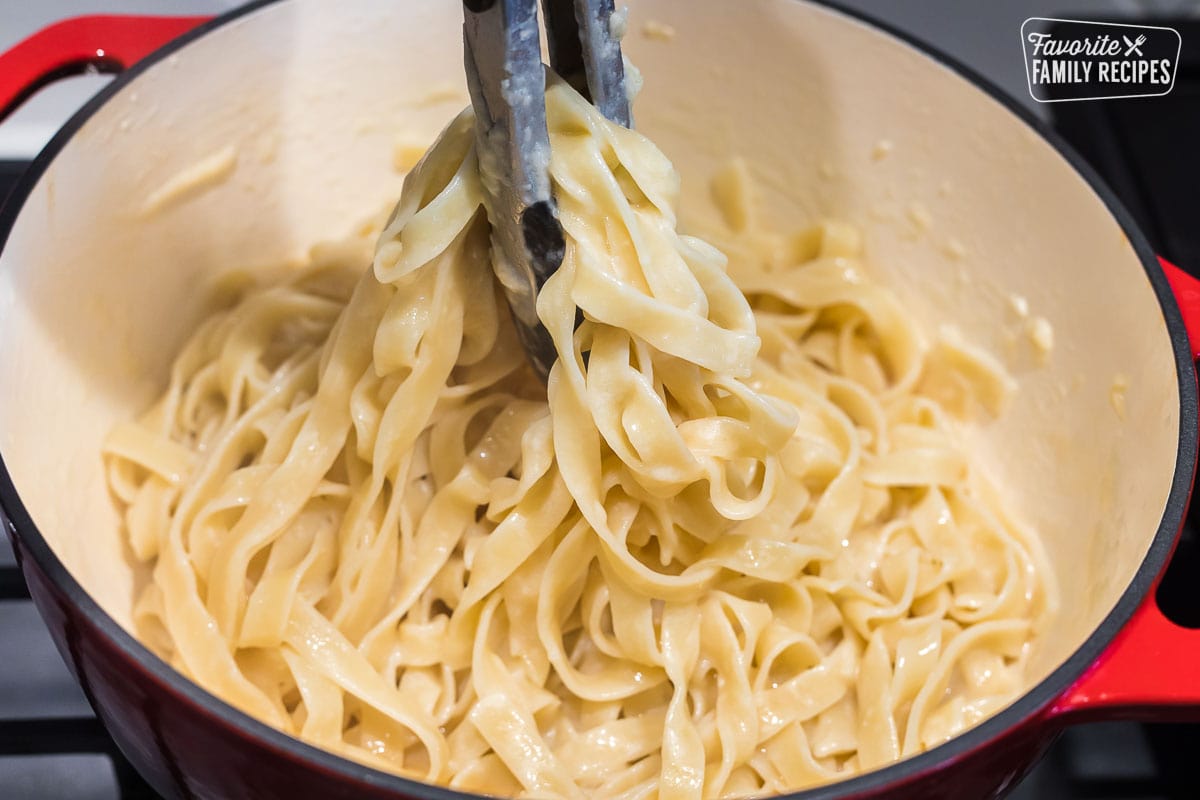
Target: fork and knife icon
{"type": "Point", "coordinates": [1132, 47]}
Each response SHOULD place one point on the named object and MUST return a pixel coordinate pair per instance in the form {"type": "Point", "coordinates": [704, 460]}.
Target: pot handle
{"type": "Point", "coordinates": [1187, 295]}
{"type": "Point", "coordinates": [101, 43]}
{"type": "Point", "coordinates": [1151, 670]}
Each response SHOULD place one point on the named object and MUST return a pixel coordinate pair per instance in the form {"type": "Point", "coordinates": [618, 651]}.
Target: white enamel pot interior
{"type": "Point", "coordinates": [288, 118]}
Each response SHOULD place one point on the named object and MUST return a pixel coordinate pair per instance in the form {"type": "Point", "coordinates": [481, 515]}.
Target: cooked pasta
{"type": "Point", "coordinates": [734, 547]}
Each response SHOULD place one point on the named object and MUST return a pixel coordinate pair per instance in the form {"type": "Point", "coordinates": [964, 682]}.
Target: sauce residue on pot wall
{"type": "Point", "coordinates": [204, 174]}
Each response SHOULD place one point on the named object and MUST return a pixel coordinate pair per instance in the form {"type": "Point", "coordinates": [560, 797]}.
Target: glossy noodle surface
{"type": "Point", "coordinates": [734, 548]}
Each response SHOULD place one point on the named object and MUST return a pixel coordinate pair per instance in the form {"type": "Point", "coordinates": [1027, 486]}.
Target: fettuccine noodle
{"type": "Point", "coordinates": [734, 547]}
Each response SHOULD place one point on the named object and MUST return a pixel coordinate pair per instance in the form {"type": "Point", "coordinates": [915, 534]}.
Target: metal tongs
{"type": "Point", "coordinates": [507, 81]}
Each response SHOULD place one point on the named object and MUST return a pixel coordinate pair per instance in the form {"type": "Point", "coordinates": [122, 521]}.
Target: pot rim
{"type": "Point", "coordinates": [1023, 710]}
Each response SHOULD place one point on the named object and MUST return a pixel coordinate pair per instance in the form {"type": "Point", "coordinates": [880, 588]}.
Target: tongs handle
{"type": "Point", "coordinates": [506, 80]}
{"type": "Point", "coordinates": [586, 51]}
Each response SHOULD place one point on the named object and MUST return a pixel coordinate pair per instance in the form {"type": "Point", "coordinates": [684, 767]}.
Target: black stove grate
{"type": "Point", "coordinates": [51, 746]}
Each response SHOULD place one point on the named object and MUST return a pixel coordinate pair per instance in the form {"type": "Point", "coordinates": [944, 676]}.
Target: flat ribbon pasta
{"type": "Point", "coordinates": [733, 548]}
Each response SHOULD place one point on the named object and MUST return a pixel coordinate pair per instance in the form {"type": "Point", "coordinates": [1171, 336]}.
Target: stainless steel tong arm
{"type": "Point", "coordinates": [507, 82]}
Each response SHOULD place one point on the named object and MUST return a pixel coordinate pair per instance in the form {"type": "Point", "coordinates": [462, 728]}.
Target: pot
{"type": "Point", "coordinates": [260, 132]}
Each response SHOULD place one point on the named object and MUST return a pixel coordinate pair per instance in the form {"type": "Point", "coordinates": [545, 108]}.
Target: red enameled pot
{"type": "Point", "coordinates": [252, 135]}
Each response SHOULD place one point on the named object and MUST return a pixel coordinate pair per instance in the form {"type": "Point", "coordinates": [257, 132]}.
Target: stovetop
{"type": "Point", "coordinates": [53, 748]}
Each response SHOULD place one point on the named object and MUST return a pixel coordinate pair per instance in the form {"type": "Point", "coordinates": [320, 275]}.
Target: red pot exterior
{"type": "Point", "coordinates": [101, 43]}
{"type": "Point", "coordinates": [183, 749]}
{"type": "Point", "coordinates": [186, 749]}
